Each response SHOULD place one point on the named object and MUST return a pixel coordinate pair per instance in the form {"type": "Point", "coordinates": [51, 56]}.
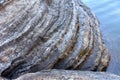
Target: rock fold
{"type": "Point", "coordinates": [37, 35]}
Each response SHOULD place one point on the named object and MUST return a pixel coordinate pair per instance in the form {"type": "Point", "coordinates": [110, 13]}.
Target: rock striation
{"type": "Point", "coordinates": [38, 35]}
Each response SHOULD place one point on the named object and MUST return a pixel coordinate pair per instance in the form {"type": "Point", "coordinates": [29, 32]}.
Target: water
{"type": "Point", "coordinates": [108, 13]}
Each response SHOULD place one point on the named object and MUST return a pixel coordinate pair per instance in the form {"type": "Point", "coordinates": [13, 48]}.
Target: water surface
{"type": "Point", "coordinates": [108, 13]}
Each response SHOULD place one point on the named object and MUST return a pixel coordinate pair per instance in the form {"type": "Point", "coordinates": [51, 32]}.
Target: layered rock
{"type": "Point", "coordinates": [37, 35]}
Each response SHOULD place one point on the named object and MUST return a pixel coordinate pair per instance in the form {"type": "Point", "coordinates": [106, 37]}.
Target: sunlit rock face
{"type": "Point", "coordinates": [49, 34]}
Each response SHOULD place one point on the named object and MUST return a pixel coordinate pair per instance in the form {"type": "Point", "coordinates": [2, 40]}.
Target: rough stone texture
{"type": "Point", "coordinates": [68, 75]}
{"type": "Point", "coordinates": [49, 34]}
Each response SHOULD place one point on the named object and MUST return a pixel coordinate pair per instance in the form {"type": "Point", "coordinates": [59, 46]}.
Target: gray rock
{"type": "Point", "coordinates": [68, 75]}
{"type": "Point", "coordinates": [37, 35]}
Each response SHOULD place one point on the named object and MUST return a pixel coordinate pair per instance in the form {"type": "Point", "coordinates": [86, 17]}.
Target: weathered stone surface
{"type": "Point", "coordinates": [68, 75]}
{"type": "Point", "coordinates": [49, 34]}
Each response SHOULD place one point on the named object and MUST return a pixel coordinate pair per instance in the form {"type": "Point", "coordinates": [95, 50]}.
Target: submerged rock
{"type": "Point", "coordinates": [37, 35]}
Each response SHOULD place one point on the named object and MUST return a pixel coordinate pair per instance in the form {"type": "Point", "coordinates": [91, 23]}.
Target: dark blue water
{"type": "Point", "coordinates": [108, 13]}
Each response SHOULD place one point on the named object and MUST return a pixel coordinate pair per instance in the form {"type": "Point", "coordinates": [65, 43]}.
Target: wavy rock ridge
{"type": "Point", "coordinates": [49, 34]}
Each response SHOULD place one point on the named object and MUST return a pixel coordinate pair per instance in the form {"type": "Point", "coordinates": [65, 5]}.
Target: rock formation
{"type": "Point", "coordinates": [68, 75]}
{"type": "Point", "coordinates": [38, 35]}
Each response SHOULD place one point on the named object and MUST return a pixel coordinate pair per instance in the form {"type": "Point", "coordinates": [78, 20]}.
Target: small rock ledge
{"type": "Point", "coordinates": [68, 75]}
